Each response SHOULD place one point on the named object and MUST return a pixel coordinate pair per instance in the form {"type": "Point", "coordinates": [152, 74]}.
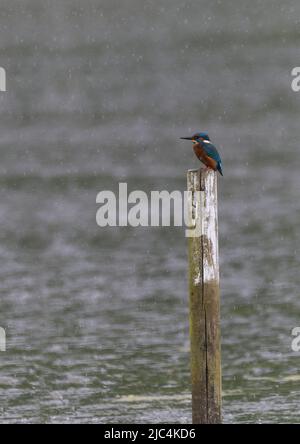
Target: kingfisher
{"type": "Point", "coordinates": [206, 152]}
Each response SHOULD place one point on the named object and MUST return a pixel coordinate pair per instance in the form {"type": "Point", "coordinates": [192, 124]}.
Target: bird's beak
{"type": "Point", "coordinates": [186, 138]}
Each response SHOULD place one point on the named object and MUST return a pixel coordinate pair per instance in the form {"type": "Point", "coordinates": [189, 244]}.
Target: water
{"type": "Point", "coordinates": [98, 93]}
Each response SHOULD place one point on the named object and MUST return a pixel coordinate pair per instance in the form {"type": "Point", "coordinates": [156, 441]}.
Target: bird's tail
{"type": "Point", "coordinates": [219, 168]}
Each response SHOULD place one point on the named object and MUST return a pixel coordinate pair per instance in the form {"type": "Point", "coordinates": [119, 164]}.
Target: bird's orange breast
{"type": "Point", "coordinates": [204, 158]}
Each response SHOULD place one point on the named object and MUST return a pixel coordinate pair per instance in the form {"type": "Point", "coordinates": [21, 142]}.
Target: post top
{"type": "Point", "coordinates": [194, 170]}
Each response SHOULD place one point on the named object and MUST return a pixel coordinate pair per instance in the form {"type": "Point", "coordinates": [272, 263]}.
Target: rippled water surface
{"type": "Point", "coordinates": [99, 92]}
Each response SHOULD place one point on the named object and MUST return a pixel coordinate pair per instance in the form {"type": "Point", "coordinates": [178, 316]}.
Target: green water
{"type": "Point", "coordinates": [99, 92]}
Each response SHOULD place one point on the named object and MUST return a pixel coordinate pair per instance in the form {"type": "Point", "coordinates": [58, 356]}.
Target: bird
{"type": "Point", "coordinates": [206, 152]}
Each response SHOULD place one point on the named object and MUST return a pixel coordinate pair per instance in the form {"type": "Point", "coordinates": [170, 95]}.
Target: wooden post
{"type": "Point", "coordinates": [204, 298]}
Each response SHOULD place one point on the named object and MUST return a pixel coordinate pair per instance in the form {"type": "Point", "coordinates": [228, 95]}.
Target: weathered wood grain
{"type": "Point", "coordinates": [204, 299]}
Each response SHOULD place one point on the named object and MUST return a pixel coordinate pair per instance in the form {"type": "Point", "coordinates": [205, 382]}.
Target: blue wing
{"type": "Point", "coordinates": [212, 151]}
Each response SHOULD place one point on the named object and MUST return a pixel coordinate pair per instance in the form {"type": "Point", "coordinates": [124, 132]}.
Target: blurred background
{"type": "Point", "coordinates": [99, 92]}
